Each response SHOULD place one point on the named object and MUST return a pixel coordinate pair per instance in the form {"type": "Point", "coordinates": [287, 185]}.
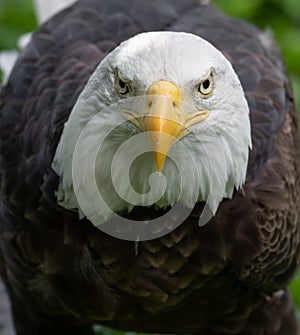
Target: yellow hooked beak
{"type": "Point", "coordinates": [164, 120]}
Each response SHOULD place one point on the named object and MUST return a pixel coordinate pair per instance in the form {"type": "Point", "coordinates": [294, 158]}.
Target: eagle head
{"type": "Point", "coordinates": [162, 120]}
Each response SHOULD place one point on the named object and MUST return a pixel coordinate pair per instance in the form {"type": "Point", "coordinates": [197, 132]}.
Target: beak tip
{"type": "Point", "coordinates": [159, 159]}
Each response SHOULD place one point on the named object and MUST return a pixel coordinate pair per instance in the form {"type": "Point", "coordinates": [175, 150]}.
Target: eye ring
{"type": "Point", "coordinates": [206, 86]}
{"type": "Point", "coordinates": [122, 86]}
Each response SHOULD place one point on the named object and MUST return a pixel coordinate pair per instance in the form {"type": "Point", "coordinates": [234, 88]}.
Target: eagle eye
{"type": "Point", "coordinates": [205, 87]}
{"type": "Point", "coordinates": [122, 86]}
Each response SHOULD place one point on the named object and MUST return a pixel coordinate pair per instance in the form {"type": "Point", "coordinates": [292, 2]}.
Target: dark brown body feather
{"type": "Point", "coordinates": [224, 278]}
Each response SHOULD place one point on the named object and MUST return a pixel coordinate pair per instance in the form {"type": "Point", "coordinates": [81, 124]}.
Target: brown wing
{"type": "Point", "coordinates": [216, 279]}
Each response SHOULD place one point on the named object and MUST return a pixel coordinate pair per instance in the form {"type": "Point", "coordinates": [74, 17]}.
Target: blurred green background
{"type": "Point", "coordinates": [282, 18]}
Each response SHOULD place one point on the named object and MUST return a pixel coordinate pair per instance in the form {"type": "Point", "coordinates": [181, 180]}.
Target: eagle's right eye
{"type": "Point", "coordinates": [122, 86]}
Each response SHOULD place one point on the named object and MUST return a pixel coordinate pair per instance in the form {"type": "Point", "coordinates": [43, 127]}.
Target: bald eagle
{"type": "Point", "coordinates": [149, 169]}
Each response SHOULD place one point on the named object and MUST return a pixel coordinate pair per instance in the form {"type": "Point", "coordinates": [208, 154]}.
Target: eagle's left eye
{"type": "Point", "coordinates": [206, 86]}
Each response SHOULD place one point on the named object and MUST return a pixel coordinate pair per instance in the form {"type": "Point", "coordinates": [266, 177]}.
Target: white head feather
{"type": "Point", "coordinates": [215, 161]}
